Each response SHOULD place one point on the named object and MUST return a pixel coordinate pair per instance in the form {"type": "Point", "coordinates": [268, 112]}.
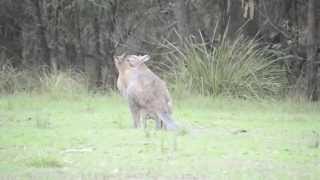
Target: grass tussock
{"type": "Point", "coordinates": [45, 162]}
{"type": "Point", "coordinates": [65, 82]}
{"type": "Point", "coordinates": [240, 68]}
{"type": "Point", "coordinates": [13, 81]}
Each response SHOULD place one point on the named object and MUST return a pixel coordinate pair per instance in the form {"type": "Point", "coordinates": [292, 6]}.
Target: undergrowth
{"type": "Point", "coordinates": [13, 81]}
{"type": "Point", "coordinates": [240, 68]}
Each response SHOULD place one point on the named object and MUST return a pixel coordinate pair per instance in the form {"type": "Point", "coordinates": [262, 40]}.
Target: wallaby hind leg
{"type": "Point", "coordinates": [145, 123]}
{"type": "Point", "coordinates": [136, 115]}
{"type": "Point", "coordinates": [158, 123]}
{"type": "Point", "coordinates": [136, 118]}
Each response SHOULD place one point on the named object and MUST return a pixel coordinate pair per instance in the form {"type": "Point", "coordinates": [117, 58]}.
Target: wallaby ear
{"type": "Point", "coordinates": [144, 58]}
{"type": "Point", "coordinates": [134, 60]}
{"type": "Point", "coordinates": [122, 55]}
{"type": "Point", "coordinates": [115, 58]}
{"type": "Point", "coordinates": [119, 58]}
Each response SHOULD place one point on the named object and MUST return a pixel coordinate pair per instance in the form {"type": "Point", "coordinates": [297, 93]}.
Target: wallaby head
{"type": "Point", "coordinates": [136, 61]}
{"type": "Point", "coordinates": [120, 63]}
{"type": "Point", "coordinates": [125, 62]}
{"type": "Point", "coordinates": [126, 66]}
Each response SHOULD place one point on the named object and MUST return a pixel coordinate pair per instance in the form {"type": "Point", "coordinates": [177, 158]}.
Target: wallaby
{"type": "Point", "coordinates": [147, 94]}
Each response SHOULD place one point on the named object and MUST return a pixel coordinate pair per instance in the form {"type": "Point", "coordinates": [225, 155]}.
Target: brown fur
{"type": "Point", "coordinates": [147, 94]}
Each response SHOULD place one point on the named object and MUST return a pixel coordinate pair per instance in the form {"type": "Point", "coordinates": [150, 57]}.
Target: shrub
{"type": "Point", "coordinates": [240, 68]}
{"type": "Point", "coordinates": [13, 81]}
{"type": "Point", "coordinates": [45, 162]}
{"type": "Point", "coordinates": [63, 82]}
{"type": "Point", "coordinates": [38, 81]}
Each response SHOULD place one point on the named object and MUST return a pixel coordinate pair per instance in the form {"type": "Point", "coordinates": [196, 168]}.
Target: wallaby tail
{"type": "Point", "coordinates": [167, 120]}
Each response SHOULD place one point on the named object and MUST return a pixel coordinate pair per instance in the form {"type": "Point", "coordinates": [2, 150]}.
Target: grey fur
{"type": "Point", "coordinates": [147, 94]}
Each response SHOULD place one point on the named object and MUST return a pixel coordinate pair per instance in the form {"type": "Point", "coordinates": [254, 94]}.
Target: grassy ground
{"type": "Point", "coordinates": [91, 137]}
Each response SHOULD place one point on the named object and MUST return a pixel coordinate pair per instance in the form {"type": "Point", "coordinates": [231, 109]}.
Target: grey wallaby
{"type": "Point", "coordinates": [147, 94]}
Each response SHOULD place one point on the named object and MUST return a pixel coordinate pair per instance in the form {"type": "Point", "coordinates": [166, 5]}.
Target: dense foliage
{"type": "Point", "coordinates": [84, 35]}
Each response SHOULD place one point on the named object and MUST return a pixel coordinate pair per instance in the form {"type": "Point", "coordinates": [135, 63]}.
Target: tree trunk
{"type": "Point", "coordinates": [71, 54]}
{"type": "Point", "coordinates": [41, 34]}
{"type": "Point", "coordinates": [181, 13]}
{"type": "Point", "coordinates": [11, 25]}
{"type": "Point", "coordinates": [311, 68]}
{"type": "Point", "coordinates": [231, 17]}
{"type": "Point", "coordinates": [79, 41]}
{"type": "Point", "coordinates": [96, 26]}
{"type": "Point", "coordinates": [10, 40]}
{"type": "Point", "coordinates": [252, 26]}
{"type": "Point", "coordinates": [93, 61]}
{"type": "Point", "coordinates": [55, 51]}
{"type": "Point", "coordinates": [109, 74]}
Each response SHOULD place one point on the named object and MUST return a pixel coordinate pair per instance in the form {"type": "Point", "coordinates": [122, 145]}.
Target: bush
{"type": "Point", "coordinates": [239, 68]}
{"type": "Point", "coordinates": [36, 81]}
{"type": "Point", "coordinates": [63, 82]}
{"type": "Point", "coordinates": [13, 81]}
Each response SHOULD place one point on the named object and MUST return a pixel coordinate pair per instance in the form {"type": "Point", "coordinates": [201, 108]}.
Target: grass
{"type": "Point", "coordinates": [45, 162]}
{"type": "Point", "coordinates": [240, 68]}
{"type": "Point", "coordinates": [40, 81]}
{"type": "Point", "coordinates": [91, 137]}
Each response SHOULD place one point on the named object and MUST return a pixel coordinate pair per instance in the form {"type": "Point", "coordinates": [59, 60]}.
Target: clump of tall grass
{"type": "Point", "coordinates": [45, 162]}
{"type": "Point", "coordinates": [13, 81]}
{"type": "Point", "coordinates": [35, 80]}
{"type": "Point", "coordinates": [63, 82]}
{"type": "Point", "coordinates": [239, 68]}
{"type": "Point", "coordinates": [8, 79]}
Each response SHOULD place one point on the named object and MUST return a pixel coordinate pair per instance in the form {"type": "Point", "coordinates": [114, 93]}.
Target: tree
{"type": "Point", "coordinates": [181, 11]}
{"type": "Point", "coordinates": [86, 34]}
{"type": "Point", "coordinates": [12, 15]}
{"type": "Point", "coordinates": [41, 33]}
{"type": "Point", "coordinates": [312, 48]}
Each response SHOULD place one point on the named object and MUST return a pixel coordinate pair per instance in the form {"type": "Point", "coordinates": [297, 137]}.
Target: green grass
{"type": "Point", "coordinates": [45, 162]}
{"type": "Point", "coordinates": [91, 137]}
